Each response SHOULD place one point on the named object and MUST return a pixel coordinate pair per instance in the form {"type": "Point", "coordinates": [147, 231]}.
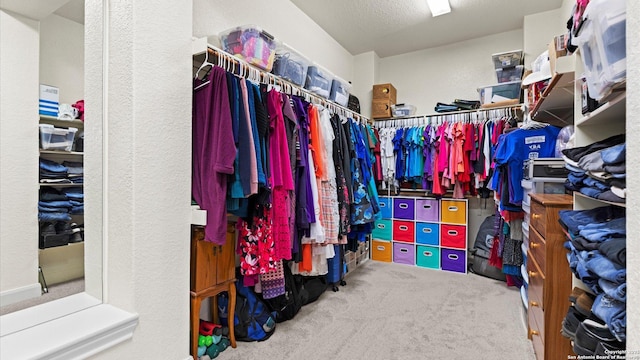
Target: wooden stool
{"type": "Point", "coordinates": [196, 301]}
{"type": "Point", "coordinates": [212, 272]}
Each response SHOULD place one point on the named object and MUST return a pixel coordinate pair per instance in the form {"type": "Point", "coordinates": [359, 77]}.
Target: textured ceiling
{"type": "Point", "coordinates": [392, 27]}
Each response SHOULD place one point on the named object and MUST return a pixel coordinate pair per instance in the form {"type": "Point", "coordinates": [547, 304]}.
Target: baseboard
{"type": "Point", "coordinates": [20, 294]}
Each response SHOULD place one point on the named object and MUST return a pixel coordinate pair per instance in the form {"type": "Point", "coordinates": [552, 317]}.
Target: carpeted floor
{"type": "Point", "coordinates": [392, 311]}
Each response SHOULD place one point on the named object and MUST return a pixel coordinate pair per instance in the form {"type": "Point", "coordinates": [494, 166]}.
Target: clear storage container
{"type": "Point", "coordinates": [399, 110]}
{"type": "Point", "coordinates": [340, 91]}
{"type": "Point", "coordinates": [500, 92]}
{"type": "Point", "coordinates": [53, 138]}
{"type": "Point", "coordinates": [250, 43]}
{"type": "Point", "coordinates": [319, 81]}
{"type": "Point", "coordinates": [510, 74]}
{"type": "Point", "coordinates": [290, 65]}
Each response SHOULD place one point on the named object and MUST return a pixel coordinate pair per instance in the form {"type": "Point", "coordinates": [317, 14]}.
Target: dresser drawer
{"type": "Point", "coordinates": [453, 212]}
{"type": "Point", "coordinates": [536, 336]}
{"type": "Point", "coordinates": [453, 260]}
{"type": "Point", "coordinates": [386, 207]}
{"type": "Point", "coordinates": [536, 281]}
{"type": "Point", "coordinates": [404, 231]}
{"type": "Point", "coordinates": [427, 210]}
{"type": "Point", "coordinates": [404, 254]}
{"type": "Point", "coordinates": [403, 208]}
{"type": "Point", "coordinates": [428, 256]}
{"type": "Point", "coordinates": [538, 219]}
{"type": "Point", "coordinates": [537, 247]}
{"type": "Point", "coordinates": [381, 250]}
{"type": "Point", "coordinates": [382, 230]}
{"type": "Point", "coordinates": [427, 233]}
{"type": "Point", "coordinates": [454, 236]}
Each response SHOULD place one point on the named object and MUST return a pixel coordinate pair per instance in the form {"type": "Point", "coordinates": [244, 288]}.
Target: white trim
{"type": "Point", "coordinates": [20, 294]}
{"type": "Point", "coordinates": [76, 336]}
{"type": "Point", "coordinates": [52, 310]}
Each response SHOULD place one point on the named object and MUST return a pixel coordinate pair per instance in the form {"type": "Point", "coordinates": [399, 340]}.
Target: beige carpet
{"type": "Point", "coordinates": [392, 311]}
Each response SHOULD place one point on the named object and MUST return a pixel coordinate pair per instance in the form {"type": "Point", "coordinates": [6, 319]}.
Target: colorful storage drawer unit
{"type": "Point", "coordinates": [404, 253]}
{"type": "Point", "coordinates": [453, 260]}
{"type": "Point", "coordinates": [381, 250]}
{"type": "Point", "coordinates": [404, 231]}
{"type": "Point", "coordinates": [382, 230]}
{"type": "Point", "coordinates": [386, 207]}
{"type": "Point", "coordinates": [454, 236]}
{"type": "Point", "coordinates": [403, 208]}
{"type": "Point", "coordinates": [427, 233]}
{"type": "Point", "coordinates": [427, 210]}
{"type": "Point", "coordinates": [453, 212]}
{"type": "Point", "coordinates": [428, 256]}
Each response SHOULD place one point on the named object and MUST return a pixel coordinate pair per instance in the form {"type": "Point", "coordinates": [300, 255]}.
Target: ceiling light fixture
{"type": "Point", "coordinates": [439, 7]}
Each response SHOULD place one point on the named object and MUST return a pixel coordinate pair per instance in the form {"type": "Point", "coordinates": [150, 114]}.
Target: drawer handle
{"type": "Point", "coordinates": [381, 226]}
{"type": "Point", "coordinates": [427, 230]}
{"type": "Point", "coordinates": [536, 216]}
{"type": "Point", "coordinates": [427, 253]}
{"type": "Point", "coordinates": [403, 206]}
{"type": "Point", "coordinates": [452, 232]}
{"type": "Point", "coordinates": [453, 208]}
{"type": "Point", "coordinates": [426, 206]}
{"type": "Point", "coordinates": [404, 250]}
{"type": "Point", "coordinates": [383, 204]}
{"type": "Point", "coordinates": [534, 303]}
{"type": "Point", "coordinates": [403, 227]}
{"type": "Point", "coordinates": [535, 332]}
{"type": "Point", "coordinates": [452, 257]}
{"type": "Point", "coordinates": [380, 248]}
{"type": "Point", "coordinates": [533, 274]}
{"type": "Point", "coordinates": [534, 245]}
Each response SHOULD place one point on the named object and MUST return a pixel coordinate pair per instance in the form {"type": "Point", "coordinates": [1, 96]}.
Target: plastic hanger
{"type": "Point", "coordinates": [204, 64]}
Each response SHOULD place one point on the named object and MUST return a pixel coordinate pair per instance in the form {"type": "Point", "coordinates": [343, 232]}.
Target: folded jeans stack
{"type": "Point", "coordinates": [597, 244]}
{"type": "Point", "coordinates": [598, 170]}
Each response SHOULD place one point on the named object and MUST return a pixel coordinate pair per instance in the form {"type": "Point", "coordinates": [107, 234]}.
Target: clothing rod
{"type": "Point", "coordinates": [242, 68]}
{"type": "Point", "coordinates": [453, 113]}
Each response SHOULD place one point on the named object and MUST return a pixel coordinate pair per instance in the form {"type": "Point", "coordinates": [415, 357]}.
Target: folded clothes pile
{"type": "Point", "coordinates": [68, 172]}
{"type": "Point", "coordinates": [598, 257]}
{"type": "Point", "coordinates": [457, 105]}
{"type": "Point", "coordinates": [598, 170]}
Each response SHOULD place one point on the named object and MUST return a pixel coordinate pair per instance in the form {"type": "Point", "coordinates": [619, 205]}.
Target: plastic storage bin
{"type": "Point", "coordinates": [250, 43]}
{"type": "Point", "coordinates": [510, 74]}
{"type": "Point", "coordinates": [508, 59]}
{"type": "Point", "coordinates": [290, 65]}
{"type": "Point", "coordinates": [602, 42]}
{"type": "Point", "coordinates": [402, 110]}
{"type": "Point", "coordinates": [319, 81]}
{"type": "Point", "coordinates": [53, 138]}
{"type": "Point", "coordinates": [340, 91]}
{"type": "Point", "coordinates": [500, 92]}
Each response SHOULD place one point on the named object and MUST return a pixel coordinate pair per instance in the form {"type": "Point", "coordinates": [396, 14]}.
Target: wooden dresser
{"type": "Point", "coordinates": [549, 276]}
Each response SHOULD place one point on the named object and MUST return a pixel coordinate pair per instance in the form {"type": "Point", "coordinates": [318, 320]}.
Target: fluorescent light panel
{"type": "Point", "coordinates": [439, 7]}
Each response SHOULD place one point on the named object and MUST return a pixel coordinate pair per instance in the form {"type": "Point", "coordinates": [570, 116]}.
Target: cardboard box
{"type": "Point", "coordinates": [556, 49]}
{"type": "Point", "coordinates": [49, 100]}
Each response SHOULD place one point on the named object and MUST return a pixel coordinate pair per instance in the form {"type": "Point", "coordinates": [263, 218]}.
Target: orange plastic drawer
{"type": "Point", "coordinates": [381, 250]}
{"type": "Point", "coordinates": [453, 212]}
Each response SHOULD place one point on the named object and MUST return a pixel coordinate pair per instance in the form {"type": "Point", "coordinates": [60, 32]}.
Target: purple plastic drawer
{"type": "Point", "coordinates": [403, 208]}
{"type": "Point", "coordinates": [404, 253]}
{"type": "Point", "coordinates": [453, 260]}
{"type": "Point", "coordinates": [427, 210]}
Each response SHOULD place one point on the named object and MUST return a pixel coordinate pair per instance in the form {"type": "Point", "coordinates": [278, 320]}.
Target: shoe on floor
{"type": "Point", "coordinates": [47, 228]}
{"type": "Point", "coordinates": [589, 334]}
{"type": "Point", "coordinates": [575, 293]}
{"type": "Point", "coordinates": [570, 323]}
{"type": "Point", "coordinates": [584, 303]}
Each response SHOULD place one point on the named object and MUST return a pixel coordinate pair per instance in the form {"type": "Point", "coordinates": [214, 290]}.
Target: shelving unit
{"type": "Point", "coordinates": [555, 105]}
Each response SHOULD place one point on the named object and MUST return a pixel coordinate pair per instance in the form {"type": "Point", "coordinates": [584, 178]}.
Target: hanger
{"type": "Point", "coordinates": [204, 64]}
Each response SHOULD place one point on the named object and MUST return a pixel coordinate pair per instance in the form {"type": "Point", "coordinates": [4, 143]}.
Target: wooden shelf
{"type": "Point", "coordinates": [614, 109]}
{"type": "Point", "coordinates": [59, 185]}
{"type": "Point", "coordinates": [77, 123]}
{"type": "Point", "coordinates": [60, 152]}
{"type": "Point", "coordinates": [583, 196]}
{"type": "Point", "coordinates": [556, 102]}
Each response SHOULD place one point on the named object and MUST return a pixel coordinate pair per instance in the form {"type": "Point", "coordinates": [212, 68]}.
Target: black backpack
{"type": "Point", "coordinates": [286, 306]}
{"type": "Point", "coordinates": [315, 286]}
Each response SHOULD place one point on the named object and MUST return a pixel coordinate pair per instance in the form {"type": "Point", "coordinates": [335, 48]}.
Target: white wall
{"type": "Point", "coordinates": [19, 93]}
{"type": "Point", "coordinates": [443, 74]}
{"type": "Point", "coordinates": [633, 187]}
{"type": "Point", "coordinates": [62, 55]}
{"type": "Point", "coordinates": [365, 76]}
{"type": "Point", "coordinates": [282, 19]}
{"type": "Point", "coordinates": [148, 173]}
{"type": "Point", "coordinates": [539, 30]}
